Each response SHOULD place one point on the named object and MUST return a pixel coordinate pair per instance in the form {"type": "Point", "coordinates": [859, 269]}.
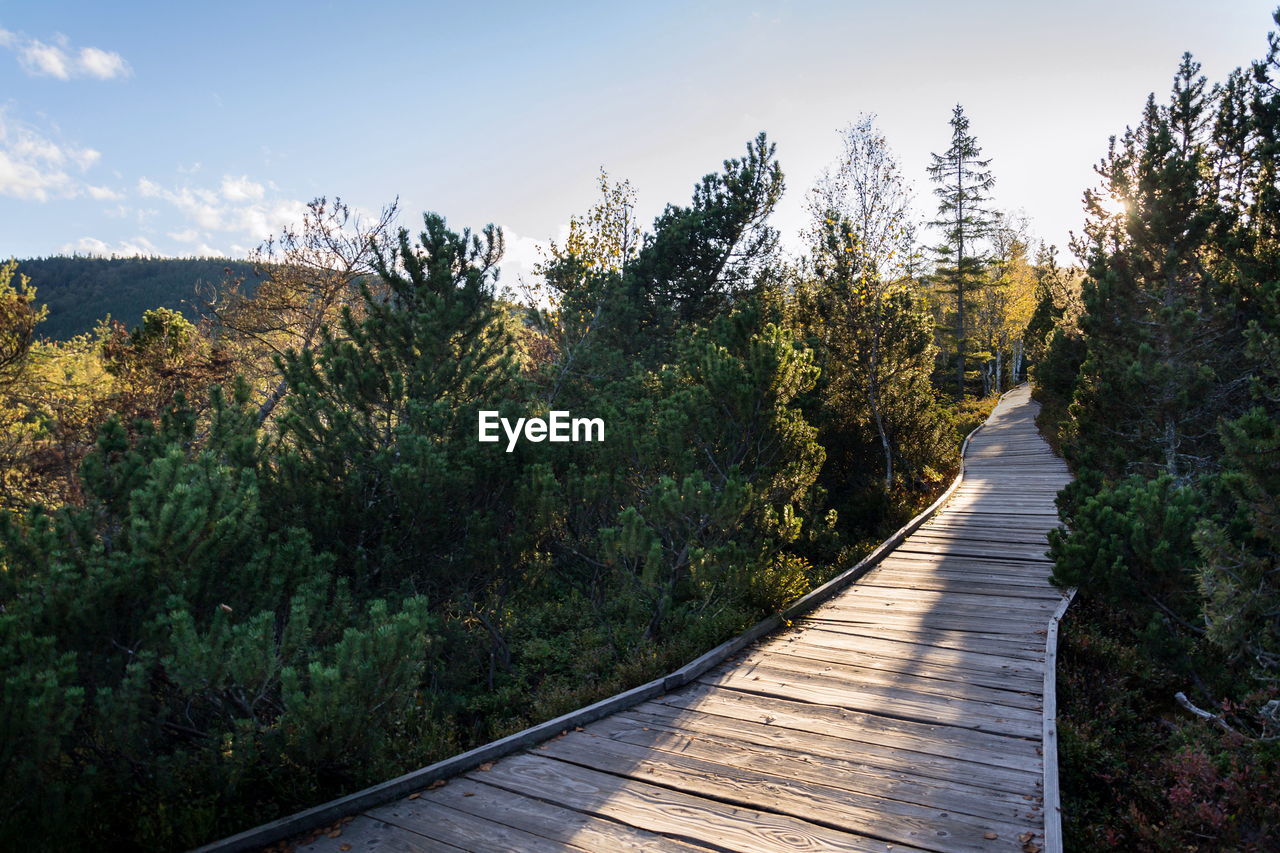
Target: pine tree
{"type": "Point", "coordinates": [701, 258]}
{"type": "Point", "coordinates": [964, 186]}
{"type": "Point", "coordinates": [1159, 368]}
{"type": "Point", "coordinates": [378, 456]}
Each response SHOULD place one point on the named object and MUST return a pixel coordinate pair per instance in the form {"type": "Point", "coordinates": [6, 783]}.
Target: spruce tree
{"type": "Point", "coordinates": [964, 185]}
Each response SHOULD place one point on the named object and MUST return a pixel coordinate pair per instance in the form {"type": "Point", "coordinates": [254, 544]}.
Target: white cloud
{"type": "Point", "coordinates": [103, 193]}
{"type": "Point", "coordinates": [239, 208]}
{"type": "Point", "coordinates": [100, 248]}
{"type": "Point", "coordinates": [520, 254]}
{"type": "Point", "coordinates": [84, 157]}
{"type": "Point", "coordinates": [241, 189]}
{"type": "Point", "coordinates": [130, 248]}
{"type": "Point", "coordinates": [103, 64]}
{"type": "Point", "coordinates": [35, 168]}
{"type": "Point", "coordinates": [63, 62]}
{"type": "Point", "coordinates": [44, 60]}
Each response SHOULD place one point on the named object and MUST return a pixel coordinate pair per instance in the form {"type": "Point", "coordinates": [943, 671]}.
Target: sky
{"type": "Point", "coordinates": [201, 129]}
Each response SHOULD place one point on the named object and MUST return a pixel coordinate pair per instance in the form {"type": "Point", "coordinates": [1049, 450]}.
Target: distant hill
{"type": "Point", "coordinates": [80, 290]}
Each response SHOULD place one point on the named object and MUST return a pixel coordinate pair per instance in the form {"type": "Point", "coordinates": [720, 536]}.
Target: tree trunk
{"type": "Point", "coordinates": [999, 372]}
{"type": "Point", "coordinates": [960, 277]}
{"type": "Point", "coordinates": [885, 445]}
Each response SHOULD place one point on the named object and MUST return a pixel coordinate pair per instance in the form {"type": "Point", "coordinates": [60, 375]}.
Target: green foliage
{"type": "Point", "coordinates": [1128, 541]}
{"type": "Point", "coordinates": [1161, 343]}
{"type": "Point", "coordinates": [1239, 575]}
{"type": "Point", "coordinates": [701, 257]}
{"type": "Point", "coordinates": [1054, 379]}
{"type": "Point", "coordinates": [166, 625]}
{"type": "Point", "coordinates": [744, 456]}
{"type": "Point", "coordinates": [1171, 523]}
{"type": "Point", "coordinates": [376, 451]}
{"type": "Point", "coordinates": [877, 355]}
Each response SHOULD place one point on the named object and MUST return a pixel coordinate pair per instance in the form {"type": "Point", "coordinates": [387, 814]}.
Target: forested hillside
{"type": "Point", "coordinates": [1163, 386]}
{"type": "Point", "coordinates": [81, 291]}
{"type": "Point", "coordinates": [257, 562]}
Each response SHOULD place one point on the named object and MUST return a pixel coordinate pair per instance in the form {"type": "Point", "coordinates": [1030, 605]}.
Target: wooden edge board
{"type": "Point", "coordinates": [1049, 737]}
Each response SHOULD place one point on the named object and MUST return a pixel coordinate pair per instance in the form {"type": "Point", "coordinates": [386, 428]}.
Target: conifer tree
{"type": "Point", "coordinates": [700, 258]}
{"type": "Point", "coordinates": [1239, 575]}
{"type": "Point", "coordinates": [1158, 370]}
{"type": "Point", "coordinates": [964, 187]}
{"type": "Point", "coordinates": [377, 441]}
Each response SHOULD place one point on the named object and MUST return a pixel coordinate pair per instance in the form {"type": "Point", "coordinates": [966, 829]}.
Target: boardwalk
{"type": "Point", "coordinates": [904, 714]}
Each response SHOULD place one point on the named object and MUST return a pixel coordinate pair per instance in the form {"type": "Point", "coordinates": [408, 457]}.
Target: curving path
{"type": "Point", "coordinates": [912, 711]}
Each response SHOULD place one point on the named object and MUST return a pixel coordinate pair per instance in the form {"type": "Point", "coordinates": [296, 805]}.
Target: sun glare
{"type": "Point", "coordinates": [1112, 205]}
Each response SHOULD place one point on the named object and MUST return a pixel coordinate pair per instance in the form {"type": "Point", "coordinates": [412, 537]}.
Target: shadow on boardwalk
{"type": "Point", "coordinates": [904, 714]}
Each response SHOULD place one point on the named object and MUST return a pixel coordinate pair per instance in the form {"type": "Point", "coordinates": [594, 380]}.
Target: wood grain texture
{"type": "Point", "coordinates": [907, 706]}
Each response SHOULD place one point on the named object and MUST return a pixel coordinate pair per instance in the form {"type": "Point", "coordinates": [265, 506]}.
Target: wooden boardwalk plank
{"type": "Point", "coordinates": [755, 781]}
{"type": "Point", "coordinates": [567, 826]}
{"type": "Point", "coordinates": [661, 809]}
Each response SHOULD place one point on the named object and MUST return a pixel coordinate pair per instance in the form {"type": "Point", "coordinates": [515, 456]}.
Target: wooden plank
{"type": "Point", "coordinates": [1031, 568]}
{"type": "Point", "coordinates": [922, 621]}
{"type": "Point", "coordinates": [1037, 606]}
{"type": "Point", "coordinates": [901, 703]}
{"type": "Point", "coordinates": [556, 823]}
{"type": "Point", "coordinates": [1018, 582]}
{"type": "Point", "coordinates": [974, 533]}
{"type": "Point", "coordinates": [966, 548]}
{"type": "Point", "coordinates": [1007, 645]}
{"type": "Point", "coordinates": [1036, 612]}
{"type": "Point", "coordinates": [1025, 537]}
{"type": "Point", "coordinates": [898, 689]}
{"type": "Point", "coordinates": [931, 738]}
{"type": "Point", "coordinates": [1002, 784]}
{"type": "Point", "coordinates": [915, 681]}
{"type": "Point", "coordinates": [927, 827]}
{"type": "Point", "coordinates": [1004, 677]}
{"type": "Point", "coordinates": [663, 810]}
{"type": "Point", "coordinates": [901, 653]}
{"type": "Point", "coordinates": [464, 830]}
{"type": "Point", "coordinates": [912, 615]}
{"type": "Point", "coordinates": [888, 582]}
{"type": "Point", "coordinates": [370, 835]}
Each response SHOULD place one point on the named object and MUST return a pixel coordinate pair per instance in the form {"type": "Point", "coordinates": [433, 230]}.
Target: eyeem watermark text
{"type": "Point", "coordinates": [557, 426]}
